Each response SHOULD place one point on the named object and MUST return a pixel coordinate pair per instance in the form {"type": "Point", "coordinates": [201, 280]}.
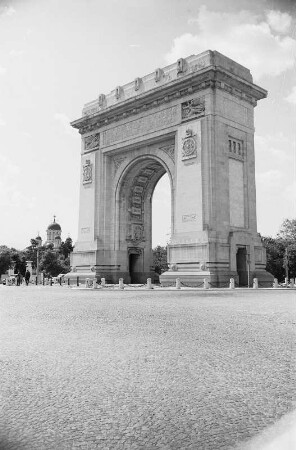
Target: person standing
{"type": "Point", "coordinates": [18, 279]}
{"type": "Point", "coordinates": [27, 277]}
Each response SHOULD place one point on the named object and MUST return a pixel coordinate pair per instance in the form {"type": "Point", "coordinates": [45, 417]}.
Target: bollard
{"type": "Point", "coordinates": [286, 282]}
{"type": "Point", "coordinates": [103, 281]}
{"type": "Point", "coordinates": [36, 280]}
{"type": "Point", "coordinates": [275, 283]}
{"type": "Point", "coordinates": [69, 281]}
{"type": "Point", "coordinates": [206, 283]}
{"type": "Point", "coordinates": [149, 284]}
{"type": "Point", "coordinates": [121, 286]}
{"type": "Point", "coordinates": [292, 283]}
{"type": "Point", "coordinates": [51, 283]}
{"type": "Point", "coordinates": [231, 283]}
{"type": "Point", "coordinates": [255, 283]}
{"type": "Point", "coordinates": [178, 283]}
{"type": "Point", "coordinates": [61, 281]}
{"type": "Point", "coordinates": [77, 281]}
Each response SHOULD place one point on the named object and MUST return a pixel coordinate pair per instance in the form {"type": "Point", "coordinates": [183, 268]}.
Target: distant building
{"type": "Point", "coordinates": [54, 232]}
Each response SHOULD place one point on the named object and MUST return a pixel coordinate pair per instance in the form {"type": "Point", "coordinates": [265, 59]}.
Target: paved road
{"type": "Point", "coordinates": [143, 369]}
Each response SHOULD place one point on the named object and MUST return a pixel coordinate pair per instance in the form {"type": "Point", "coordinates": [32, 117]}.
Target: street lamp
{"type": "Point", "coordinates": [37, 244]}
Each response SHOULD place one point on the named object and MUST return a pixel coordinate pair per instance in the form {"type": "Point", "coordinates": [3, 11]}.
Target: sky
{"type": "Point", "coordinates": [55, 56]}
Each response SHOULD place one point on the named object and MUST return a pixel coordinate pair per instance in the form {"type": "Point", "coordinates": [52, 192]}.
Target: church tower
{"type": "Point", "coordinates": [54, 232]}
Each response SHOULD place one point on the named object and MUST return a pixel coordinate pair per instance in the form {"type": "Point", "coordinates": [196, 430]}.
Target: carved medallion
{"type": "Point", "coordinates": [87, 172]}
{"type": "Point", "coordinates": [189, 148]}
{"type": "Point", "coordinates": [92, 142]}
{"type": "Point", "coordinates": [193, 108]}
{"type": "Point", "coordinates": [136, 233]}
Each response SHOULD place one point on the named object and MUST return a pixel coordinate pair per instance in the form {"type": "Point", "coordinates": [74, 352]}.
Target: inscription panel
{"type": "Point", "coordinates": [139, 127]}
{"type": "Point", "coordinates": [189, 218]}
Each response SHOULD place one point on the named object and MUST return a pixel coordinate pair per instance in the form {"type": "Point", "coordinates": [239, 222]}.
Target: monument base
{"type": "Point", "coordinates": [215, 279]}
{"type": "Point", "coordinates": [265, 279]}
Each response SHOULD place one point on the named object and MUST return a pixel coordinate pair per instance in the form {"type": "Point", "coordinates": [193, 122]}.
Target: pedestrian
{"type": "Point", "coordinates": [18, 279]}
{"type": "Point", "coordinates": [27, 276]}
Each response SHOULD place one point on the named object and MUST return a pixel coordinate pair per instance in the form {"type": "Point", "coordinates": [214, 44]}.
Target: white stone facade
{"type": "Point", "coordinates": [194, 120]}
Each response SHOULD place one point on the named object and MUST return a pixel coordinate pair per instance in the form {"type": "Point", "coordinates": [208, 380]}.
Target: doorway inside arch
{"type": "Point", "coordinates": [241, 266]}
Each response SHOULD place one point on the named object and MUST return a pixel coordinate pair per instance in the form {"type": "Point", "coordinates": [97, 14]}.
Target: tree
{"type": "Point", "coordinates": [288, 231]}
{"type": "Point", "coordinates": [281, 251]}
{"type": "Point", "coordinates": [160, 259]}
{"type": "Point", "coordinates": [287, 235]}
{"type": "Point", "coordinates": [67, 247]}
{"type": "Point", "coordinates": [53, 264]}
{"type": "Point", "coordinates": [5, 258]}
{"type": "Point", "coordinates": [274, 257]}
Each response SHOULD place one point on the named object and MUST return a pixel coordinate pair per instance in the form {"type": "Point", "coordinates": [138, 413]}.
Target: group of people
{"type": "Point", "coordinates": [19, 278]}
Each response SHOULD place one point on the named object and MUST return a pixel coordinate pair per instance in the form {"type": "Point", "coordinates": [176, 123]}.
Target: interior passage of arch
{"type": "Point", "coordinates": [161, 212]}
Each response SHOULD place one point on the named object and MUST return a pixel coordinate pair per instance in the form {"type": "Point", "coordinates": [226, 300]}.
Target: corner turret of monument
{"type": "Point", "coordinates": [194, 120]}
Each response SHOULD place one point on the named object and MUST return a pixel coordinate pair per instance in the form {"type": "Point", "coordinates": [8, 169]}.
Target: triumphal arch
{"type": "Point", "coordinates": [193, 120]}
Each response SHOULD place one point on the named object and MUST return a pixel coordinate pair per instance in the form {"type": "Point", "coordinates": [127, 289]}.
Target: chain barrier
{"type": "Point", "coordinates": [135, 286]}
{"type": "Point", "coordinates": [216, 284]}
{"type": "Point", "coordinates": [191, 285]}
{"type": "Point", "coordinates": [168, 285]}
{"type": "Point", "coordinates": [110, 286]}
{"type": "Point", "coordinates": [265, 284]}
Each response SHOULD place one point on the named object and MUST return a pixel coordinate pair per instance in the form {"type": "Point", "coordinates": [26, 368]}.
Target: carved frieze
{"type": "Point", "coordinates": [142, 126]}
{"type": "Point", "coordinates": [189, 147]}
{"type": "Point", "coordinates": [92, 142]}
{"type": "Point", "coordinates": [193, 108]}
{"type": "Point", "coordinates": [87, 172]}
{"type": "Point", "coordinates": [135, 251]}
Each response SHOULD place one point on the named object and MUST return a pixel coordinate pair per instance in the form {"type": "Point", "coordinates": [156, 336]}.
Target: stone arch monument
{"type": "Point", "coordinates": [195, 121]}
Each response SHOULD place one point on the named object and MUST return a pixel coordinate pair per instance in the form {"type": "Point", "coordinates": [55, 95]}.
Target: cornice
{"type": "Point", "coordinates": [211, 77]}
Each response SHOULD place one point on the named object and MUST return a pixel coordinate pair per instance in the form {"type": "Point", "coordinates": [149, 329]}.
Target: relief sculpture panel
{"type": "Point", "coordinates": [141, 126]}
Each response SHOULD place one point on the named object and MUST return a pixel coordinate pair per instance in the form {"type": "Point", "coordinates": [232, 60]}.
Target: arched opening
{"type": "Point", "coordinates": [134, 208]}
{"type": "Point", "coordinates": [161, 212]}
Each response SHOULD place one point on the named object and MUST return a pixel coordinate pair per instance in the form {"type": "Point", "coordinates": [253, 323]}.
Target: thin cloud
{"type": "Point", "coordinates": [291, 98]}
{"type": "Point", "coordinates": [64, 121]}
{"type": "Point", "coordinates": [134, 45]}
{"type": "Point", "coordinates": [277, 146]}
{"type": "Point", "coordinates": [242, 37]}
{"type": "Point", "coordinates": [2, 70]}
{"type": "Point", "coordinates": [7, 11]}
{"type": "Point", "coordinates": [2, 123]}
{"type": "Point", "coordinates": [279, 21]}
{"type": "Point", "coordinates": [16, 53]}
